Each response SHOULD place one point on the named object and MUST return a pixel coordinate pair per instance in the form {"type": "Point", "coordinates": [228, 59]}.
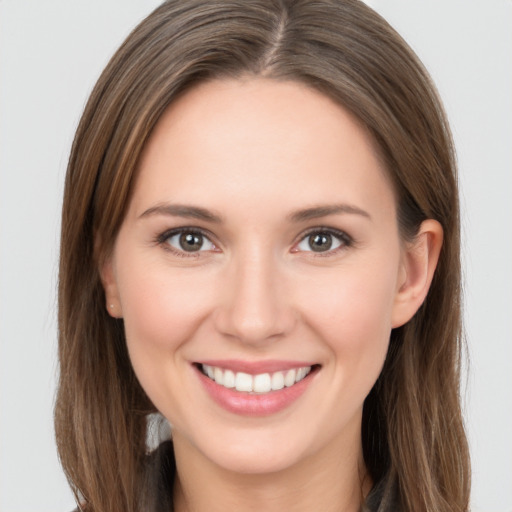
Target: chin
{"type": "Point", "coordinates": [254, 461]}
{"type": "Point", "coordinates": [244, 451]}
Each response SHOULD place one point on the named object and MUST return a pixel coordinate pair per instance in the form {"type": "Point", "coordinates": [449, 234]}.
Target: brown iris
{"type": "Point", "coordinates": [191, 242]}
{"type": "Point", "coordinates": [320, 242]}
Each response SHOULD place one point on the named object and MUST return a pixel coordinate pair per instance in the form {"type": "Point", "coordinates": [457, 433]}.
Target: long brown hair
{"type": "Point", "coordinates": [413, 435]}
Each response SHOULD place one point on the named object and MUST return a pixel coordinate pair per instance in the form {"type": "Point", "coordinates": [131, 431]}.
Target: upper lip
{"type": "Point", "coordinates": [255, 367]}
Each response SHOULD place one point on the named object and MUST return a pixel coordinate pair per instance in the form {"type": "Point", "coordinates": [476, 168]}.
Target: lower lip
{"type": "Point", "coordinates": [247, 404]}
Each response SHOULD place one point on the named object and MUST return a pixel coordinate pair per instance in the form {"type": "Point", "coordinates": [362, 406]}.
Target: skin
{"type": "Point", "coordinates": [254, 152]}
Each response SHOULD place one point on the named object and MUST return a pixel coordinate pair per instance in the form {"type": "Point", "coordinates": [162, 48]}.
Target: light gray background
{"type": "Point", "coordinates": [51, 52]}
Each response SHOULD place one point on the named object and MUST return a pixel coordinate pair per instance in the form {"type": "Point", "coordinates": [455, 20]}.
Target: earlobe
{"type": "Point", "coordinates": [108, 280]}
{"type": "Point", "coordinates": [419, 262]}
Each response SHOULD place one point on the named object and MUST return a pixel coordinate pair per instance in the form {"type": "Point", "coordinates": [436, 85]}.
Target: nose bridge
{"type": "Point", "coordinates": [254, 308]}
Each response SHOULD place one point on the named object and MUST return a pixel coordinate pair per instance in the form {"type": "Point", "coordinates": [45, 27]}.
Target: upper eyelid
{"type": "Point", "coordinates": [346, 242]}
{"type": "Point", "coordinates": [161, 240]}
{"type": "Point", "coordinates": [176, 231]}
{"type": "Point", "coordinates": [324, 229]}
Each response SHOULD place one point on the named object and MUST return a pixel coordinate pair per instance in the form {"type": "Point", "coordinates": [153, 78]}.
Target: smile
{"type": "Point", "coordinates": [260, 383]}
{"type": "Point", "coordinates": [255, 389]}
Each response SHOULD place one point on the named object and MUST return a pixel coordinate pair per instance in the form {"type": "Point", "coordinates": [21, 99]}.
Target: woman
{"type": "Point", "coordinates": [260, 241]}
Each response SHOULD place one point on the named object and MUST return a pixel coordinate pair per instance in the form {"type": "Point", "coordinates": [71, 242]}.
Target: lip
{"type": "Point", "coordinates": [247, 404]}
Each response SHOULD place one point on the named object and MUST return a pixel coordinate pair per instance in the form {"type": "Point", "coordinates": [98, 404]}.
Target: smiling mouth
{"type": "Point", "coordinates": [256, 384]}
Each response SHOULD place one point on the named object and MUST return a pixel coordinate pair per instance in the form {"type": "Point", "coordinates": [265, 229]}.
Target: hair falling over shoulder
{"type": "Point", "coordinates": [413, 434]}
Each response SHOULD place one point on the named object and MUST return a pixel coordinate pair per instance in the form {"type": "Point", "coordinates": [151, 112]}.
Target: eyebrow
{"type": "Point", "coordinates": [181, 210]}
{"type": "Point", "coordinates": [324, 210]}
{"type": "Point", "coordinates": [196, 212]}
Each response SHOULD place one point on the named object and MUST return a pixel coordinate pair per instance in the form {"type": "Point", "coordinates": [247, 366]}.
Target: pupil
{"type": "Point", "coordinates": [191, 241]}
{"type": "Point", "coordinates": [320, 242]}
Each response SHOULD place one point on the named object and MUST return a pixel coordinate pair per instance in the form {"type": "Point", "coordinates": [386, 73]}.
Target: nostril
{"type": "Point", "coordinates": [251, 323]}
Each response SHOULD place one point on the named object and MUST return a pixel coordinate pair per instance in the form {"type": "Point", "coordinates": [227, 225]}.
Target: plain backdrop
{"type": "Point", "coordinates": [52, 51]}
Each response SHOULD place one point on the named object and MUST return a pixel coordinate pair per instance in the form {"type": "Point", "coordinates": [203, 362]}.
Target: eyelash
{"type": "Point", "coordinates": [164, 237]}
{"type": "Point", "coordinates": [345, 239]}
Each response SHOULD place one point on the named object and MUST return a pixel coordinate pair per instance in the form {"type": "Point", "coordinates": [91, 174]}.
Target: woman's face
{"type": "Point", "coordinates": [261, 243]}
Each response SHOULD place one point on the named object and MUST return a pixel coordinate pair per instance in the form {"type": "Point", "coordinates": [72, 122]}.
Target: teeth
{"type": "Point", "coordinates": [277, 381]}
{"type": "Point", "coordinates": [229, 379]}
{"type": "Point", "coordinates": [243, 382]}
{"type": "Point", "coordinates": [261, 383]}
{"type": "Point", "coordinates": [301, 373]}
{"type": "Point", "coordinates": [289, 379]}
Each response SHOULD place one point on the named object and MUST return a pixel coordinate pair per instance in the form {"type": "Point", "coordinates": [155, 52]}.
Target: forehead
{"type": "Point", "coordinates": [259, 139]}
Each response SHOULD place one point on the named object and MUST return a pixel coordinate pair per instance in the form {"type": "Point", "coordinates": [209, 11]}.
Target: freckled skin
{"type": "Point", "coordinates": [253, 152]}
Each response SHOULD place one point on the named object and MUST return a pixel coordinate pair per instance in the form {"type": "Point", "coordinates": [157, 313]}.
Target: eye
{"type": "Point", "coordinates": [188, 241]}
{"type": "Point", "coordinates": [323, 241]}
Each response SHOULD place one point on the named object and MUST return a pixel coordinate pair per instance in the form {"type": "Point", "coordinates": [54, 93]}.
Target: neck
{"type": "Point", "coordinates": [333, 480]}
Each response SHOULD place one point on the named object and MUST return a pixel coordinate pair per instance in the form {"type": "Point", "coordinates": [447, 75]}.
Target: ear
{"type": "Point", "coordinates": [109, 282]}
{"type": "Point", "coordinates": [419, 261]}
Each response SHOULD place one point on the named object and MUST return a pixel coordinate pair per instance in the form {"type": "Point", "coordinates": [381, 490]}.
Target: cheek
{"type": "Point", "coordinates": [352, 311]}
{"type": "Point", "coordinates": [162, 309]}
{"type": "Point", "coordinates": [160, 302]}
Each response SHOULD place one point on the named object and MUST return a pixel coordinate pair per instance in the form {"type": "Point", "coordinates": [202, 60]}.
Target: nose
{"type": "Point", "coordinates": [255, 306]}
